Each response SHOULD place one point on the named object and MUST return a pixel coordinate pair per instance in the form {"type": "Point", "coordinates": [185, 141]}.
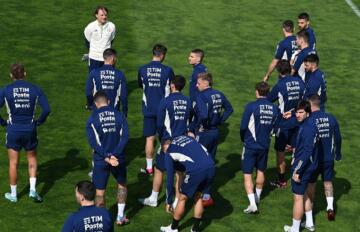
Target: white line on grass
{"type": "Point", "coordinates": [353, 7]}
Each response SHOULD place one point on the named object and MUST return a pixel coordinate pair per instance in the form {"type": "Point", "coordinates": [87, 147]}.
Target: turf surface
{"type": "Point", "coordinates": [239, 38]}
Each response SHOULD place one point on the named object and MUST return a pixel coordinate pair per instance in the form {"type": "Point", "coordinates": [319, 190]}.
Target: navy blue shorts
{"type": "Point", "coordinates": [197, 182]}
{"type": "Point", "coordinates": [209, 139]}
{"type": "Point", "coordinates": [160, 161]}
{"type": "Point", "coordinates": [254, 159]}
{"type": "Point", "coordinates": [284, 137]}
{"type": "Point", "coordinates": [26, 140]}
{"type": "Point", "coordinates": [101, 173]}
{"type": "Point", "coordinates": [94, 64]}
{"type": "Point", "coordinates": [326, 170]}
{"type": "Point", "coordinates": [149, 126]}
{"type": "Point", "coordinates": [299, 188]}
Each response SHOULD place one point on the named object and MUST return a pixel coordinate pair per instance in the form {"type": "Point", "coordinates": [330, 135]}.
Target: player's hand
{"type": "Point", "coordinates": [287, 115]}
{"type": "Point", "coordinates": [113, 161]}
{"type": "Point", "coordinates": [288, 148]}
{"type": "Point", "coordinates": [191, 134]}
{"type": "Point", "coordinates": [169, 208]}
{"type": "Point", "coordinates": [87, 107]}
{"type": "Point", "coordinates": [265, 78]}
{"type": "Point", "coordinates": [296, 177]}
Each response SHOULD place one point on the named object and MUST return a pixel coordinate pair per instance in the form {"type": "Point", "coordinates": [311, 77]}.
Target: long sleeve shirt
{"type": "Point", "coordinates": [211, 110]}
{"type": "Point", "coordinates": [299, 61]}
{"type": "Point", "coordinates": [110, 80]}
{"type": "Point", "coordinates": [306, 156]}
{"type": "Point", "coordinates": [312, 39]}
{"type": "Point", "coordinates": [286, 48]}
{"type": "Point", "coordinates": [188, 155]}
{"type": "Point", "coordinates": [108, 134]}
{"type": "Point", "coordinates": [193, 90]}
{"type": "Point", "coordinates": [315, 83]}
{"type": "Point", "coordinates": [100, 38]}
{"type": "Point", "coordinates": [89, 218]}
{"type": "Point", "coordinates": [21, 98]}
{"type": "Point", "coordinates": [329, 136]}
{"type": "Point", "coordinates": [173, 116]}
{"type": "Point", "coordinates": [154, 78]}
{"type": "Point", "coordinates": [257, 122]}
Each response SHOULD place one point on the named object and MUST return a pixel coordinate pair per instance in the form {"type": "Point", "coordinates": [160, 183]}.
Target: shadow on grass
{"type": "Point", "coordinates": [134, 148]}
{"type": "Point", "coordinates": [224, 131]}
{"type": "Point", "coordinates": [222, 206]}
{"type": "Point", "coordinates": [55, 169]}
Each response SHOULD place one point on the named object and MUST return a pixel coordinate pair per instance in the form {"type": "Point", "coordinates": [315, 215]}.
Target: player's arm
{"type": "Point", "coordinates": [169, 164]}
{"type": "Point", "coordinates": [93, 138]}
{"type": "Point", "coordinates": [273, 95]}
{"type": "Point", "coordinates": [69, 224]}
{"type": "Point", "coordinates": [160, 120]}
{"type": "Point", "coordinates": [309, 136]}
{"type": "Point", "coordinates": [338, 139]}
{"type": "Point", "coordinates": [45, 107]}
{"type": "Point", "coordinates": [123, 96]}
{"type": "Point", "coordinates": [202, 112]}
{"type": "Point", "coordinates": [89, 91]}
{"type": "Point", "coordinates": [124, 137]}
{"type": "Point", "coordinates": [112, 37]}
{"type": "Point", "coordinates": [228, 109]}
{"type": "Point", "coordinates": [271, 68]}
{"type": "Point", "coordinates": [2, 102]}
{"type": "Point", "coordinates": [140, 80]}
{"type": "Point", "coordinates": [245, 122]}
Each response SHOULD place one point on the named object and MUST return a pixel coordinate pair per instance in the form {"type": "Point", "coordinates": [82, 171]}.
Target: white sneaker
{"type": "Point", "coordinates": [167, 229]}
{"type": "Point", "coordinates": [309, 228]}
{"type": "Point", "coordinates": [251, 209]}
{"type": "Point", "coordinates": [148, 201]}
{"type": "Point", "coordinates": [287, 228]}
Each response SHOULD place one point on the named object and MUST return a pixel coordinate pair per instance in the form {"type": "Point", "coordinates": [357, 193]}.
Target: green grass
{"type": "Point", "coordinates": [239, 38]}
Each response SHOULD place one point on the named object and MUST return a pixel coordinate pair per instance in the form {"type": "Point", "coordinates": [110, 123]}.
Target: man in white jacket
{"type": "Point", "coordinates": [99, 35]}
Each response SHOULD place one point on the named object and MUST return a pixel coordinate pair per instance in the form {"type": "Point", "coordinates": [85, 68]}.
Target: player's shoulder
{"type": "Point", "coordinates": [92, 25]}
{"type": "Point", "coordinates": [111, 25]}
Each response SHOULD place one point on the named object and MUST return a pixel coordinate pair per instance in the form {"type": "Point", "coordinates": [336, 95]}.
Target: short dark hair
{"type": "Point", "coordinates": [17, 71]}
{"type": "Point", "coordinates": [312, 58]}
{"type": "Point", "coordinates": [283, 67]}
{"type": "Point", "coordinates": [304, 105]}
{"type": "Point", "coordinates": [315, 100]}
{"type": "Point", "coordinates": [199, 52]}
{"type": "Point", "coordinates": [288, 26]}
{"type": "Point", "coordinates": [103, 8]}
{"type": "Point", "coordinates": [100, 96]}
{"type": "Point", "coordinates": [304, 35]}
{"type": "Point", "coordinates": [206, 77]}
{"type": "Point", "coordinates": [263, 88]}
{"type": "Point", "coordinates": [87, 189]}
{"type": "Point", "coordinates": [179, 82]}
{"type": "Point", "coordinates": [159, 50]}
{"type": "Point", "coordinates": [108, 53]}
{"type": "Point", "coordinates": [304, 15]}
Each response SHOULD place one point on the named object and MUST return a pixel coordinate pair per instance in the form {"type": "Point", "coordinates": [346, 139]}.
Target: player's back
{"type": "Point", "coordinates": [312, 39]}
{"type": "Point", "coordinates": [193, 90]}
{"type": "Point", "coordinates": [190, 154]}
{"type": "Point", "coordinates": [109, 126]}
{"type": "Point", "coordinates": [288, 91]}
{"type": "Point", "coordinates": [154, 78]}
{"type": "Point", "coordinates": [257, 123]}
{"type": "Point", "coordinates": [110, 80]}
{"type": "Point", "coordinates": [176, 109]}
{"type": "Point", "coordinates": [299, 61]}
{"type": "Point", "coordinates": [328, 129]}
{"type": "Point", "coordinates": [286, 48]}
{"type": "Point", "coordinates": [89, 218]}
{"type": "Point", "coordinates": [315, 83]}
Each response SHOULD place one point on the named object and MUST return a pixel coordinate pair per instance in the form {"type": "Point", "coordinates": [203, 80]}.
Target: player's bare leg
{"type": "Point", "coordinates": [100, 198]}
{"type": "Point", "coordinates": [121, 219]}
{"type": "Point", "coordinates": [149, 153]}
{"type": "Point", "coordinates": [260, 179]}
{"type": "Point", "coordinates": [329, 193]}
{"type": "Point", "coordinates": [13, 167]}
{"type": "Point", "coordinates": [249, 188]}
{"type": "Point", "coordinates": [32, 166]}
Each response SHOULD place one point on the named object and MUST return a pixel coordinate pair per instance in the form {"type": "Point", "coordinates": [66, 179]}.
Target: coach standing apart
{"type": "Point", "coordinates": [21, 98]}
{"type": "Point", "coordinates": [99, 36]}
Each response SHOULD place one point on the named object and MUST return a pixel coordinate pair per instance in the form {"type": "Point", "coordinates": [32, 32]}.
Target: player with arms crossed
{"type": "Point", "coordinates": [154, 78]}
{"type": "Point", "coordinates": [256, 125]}
{"type": "Point", "coordinates": [21, 98]}
{"type": "Point", "coordinates": [304, 163]}
{"type": "Point", "coordinates": [172, 121]}
{"type": "Point", "coordinates": [285, 48]}
{"type": "Point", "coordinates": [186, 154]}
{"type": "Point", "coordinates": [88, 217]}
{"type": "Point", "coordinates": [288, 91]}
{"type": "Point", "coordinates": [99, 36]}
{"type": "Point", "coordinates": [108, 134]}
